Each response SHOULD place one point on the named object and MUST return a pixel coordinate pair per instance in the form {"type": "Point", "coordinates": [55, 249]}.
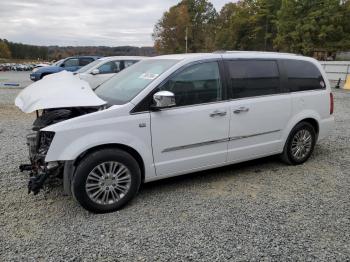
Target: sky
{"type": "Point", "coordinates": [83, 22]}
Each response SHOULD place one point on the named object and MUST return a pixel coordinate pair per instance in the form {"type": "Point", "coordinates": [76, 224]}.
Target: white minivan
{"type": "Point", "coordinates": [172, 115]}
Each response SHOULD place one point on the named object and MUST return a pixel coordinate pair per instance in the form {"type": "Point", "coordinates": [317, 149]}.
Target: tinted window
{"type": "Point", "coordinates": [85, 60]}
{"type": "Point", "coordinates": [89, 66]}
{"type": "Point", "coordinates": [253, 77]}
{"type": "Point", "coordinates": [71, 62]}
{"type": "Point", "coordinates": [196, 84]}
{"type": "Point", "coordinates": [303, 75]}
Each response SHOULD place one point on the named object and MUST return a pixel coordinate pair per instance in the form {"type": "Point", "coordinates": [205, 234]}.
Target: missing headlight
{"type": "Point", "coordinates": [45, 139]}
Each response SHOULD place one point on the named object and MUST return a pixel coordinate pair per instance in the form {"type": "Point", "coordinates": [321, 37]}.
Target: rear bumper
{"type": "Point", "coordinates": [326, 126]}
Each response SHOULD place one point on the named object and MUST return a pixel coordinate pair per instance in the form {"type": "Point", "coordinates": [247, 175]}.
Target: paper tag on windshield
{"type": "Point", "coordinates": [149, 76]}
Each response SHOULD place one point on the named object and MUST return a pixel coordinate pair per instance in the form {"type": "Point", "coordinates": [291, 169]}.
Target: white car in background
{"type": "Point", "coordinates": [104, 68]}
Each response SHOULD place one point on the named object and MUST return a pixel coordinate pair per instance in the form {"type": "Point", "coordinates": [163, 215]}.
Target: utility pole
{"type": "Point", "coordinates": [186, 37]}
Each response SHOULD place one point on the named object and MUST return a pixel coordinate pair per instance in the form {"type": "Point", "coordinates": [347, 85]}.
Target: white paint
{"type": "Point", "coordinates": [57, 90]}
{"type": "Point", "coordinates": [149, 133]}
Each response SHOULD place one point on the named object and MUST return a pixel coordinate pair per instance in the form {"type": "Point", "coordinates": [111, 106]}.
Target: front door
{"type": "Point", "coordinates": [193, 134]}
{"type": "Point", "coordinates": [259, 110]}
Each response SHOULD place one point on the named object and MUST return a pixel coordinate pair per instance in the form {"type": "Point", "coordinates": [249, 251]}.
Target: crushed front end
{"type": "Point", "coordinates": [38, 144]}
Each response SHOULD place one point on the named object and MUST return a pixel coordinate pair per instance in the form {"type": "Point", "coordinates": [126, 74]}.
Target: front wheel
{"type": "Point", "coordinates": [106, 180]}
{"type": "Point", "coordinates": [300, 144]}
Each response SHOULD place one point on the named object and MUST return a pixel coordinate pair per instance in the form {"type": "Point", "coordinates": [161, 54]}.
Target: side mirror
{"type": "Point", "coordinates": [95, 71]}
{"type": "Point", "coordinates": [163, 99]}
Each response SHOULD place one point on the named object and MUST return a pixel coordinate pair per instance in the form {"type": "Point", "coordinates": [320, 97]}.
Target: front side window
{"type": "Point", "coordinates": [249, 78]}
{"type": "Point", "coordinates": [196, 84]}
{"type": "Point", "coordinates": [303, 76]}
{"type": "Point", "coordinates": [71, 62]}
{"type": "Point", "coordinates": [110, 67]}
{"type": "Point", "coordinates": [127, 84]}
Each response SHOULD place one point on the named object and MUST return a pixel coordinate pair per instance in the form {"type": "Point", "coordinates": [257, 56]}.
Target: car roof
{"type": "Point", "coordinates": [235, 55]}
{"type": "Point", "coordinates": [82, 56]}
{"type": "Point", "coordinates": [122, 57]}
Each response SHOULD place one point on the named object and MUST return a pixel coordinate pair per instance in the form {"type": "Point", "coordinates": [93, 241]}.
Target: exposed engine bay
{"type": "Point", "coordinates": [39, 142]}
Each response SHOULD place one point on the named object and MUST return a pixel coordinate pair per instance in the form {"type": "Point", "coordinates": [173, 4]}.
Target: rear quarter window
{"type": "Point", "coordinates": [303, 76]}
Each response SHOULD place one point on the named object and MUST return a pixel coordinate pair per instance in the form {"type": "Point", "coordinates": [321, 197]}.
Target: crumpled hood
{"type": "Point", "coordinates": [58, 90]}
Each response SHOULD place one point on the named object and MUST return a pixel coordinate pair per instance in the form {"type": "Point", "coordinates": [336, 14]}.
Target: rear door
{"type": "Point", "coordinates": [307, 87]}
{"type": "Point", "coordinates": [193, 134]}
{"type": "Point", "coordinates": [259, 109]}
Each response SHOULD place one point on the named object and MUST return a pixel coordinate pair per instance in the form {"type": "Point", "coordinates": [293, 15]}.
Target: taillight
{"type": "Point", "coordinates": [331, 103]}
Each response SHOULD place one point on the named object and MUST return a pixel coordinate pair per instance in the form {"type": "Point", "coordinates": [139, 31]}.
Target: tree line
{"type": "Point", "coordinates": [297, 26]}
{"type": "Point", "coordinates": [22, 51]}
{"type": "Point", "coordinates": [31, 52]}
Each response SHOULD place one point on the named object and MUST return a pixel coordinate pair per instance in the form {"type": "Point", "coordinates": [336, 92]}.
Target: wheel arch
{"type": "Point", "coordinates": [308, 116]}
{"type": "Point", "coordinates": [313, 122]}
{"type": "Point", "coordinates": [133, 152]}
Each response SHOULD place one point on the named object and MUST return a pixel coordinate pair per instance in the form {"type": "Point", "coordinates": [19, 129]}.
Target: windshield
{"type": "Point", "coordinates": [124, 86]}
{"type": "Point", "coordinates": [88, 66]}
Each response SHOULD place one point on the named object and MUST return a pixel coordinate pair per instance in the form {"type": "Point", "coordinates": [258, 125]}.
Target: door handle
{"type": "Point", "coordinates": [242, 109]}
{"type": "Point", "coordinates": [218, 113]}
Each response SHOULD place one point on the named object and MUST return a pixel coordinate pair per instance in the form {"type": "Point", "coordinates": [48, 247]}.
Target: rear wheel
{"type": "Point", "coordinates": [300, 144]}
{"type": "Point", "coordinates": [106, 180]}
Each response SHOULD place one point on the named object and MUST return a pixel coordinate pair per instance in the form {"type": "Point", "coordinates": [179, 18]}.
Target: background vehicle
{"type": "Point", "coordinates": [172, 115]}
{"type": "Point", "coordinates": [104, 68]}
{"type": "Point", "coordinates": [69, 64]}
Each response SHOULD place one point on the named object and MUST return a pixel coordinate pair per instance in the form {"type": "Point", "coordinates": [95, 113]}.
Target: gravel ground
{"type": "Point", "coordinates": [259, 210]}
{"type": "Point", "coordinates": [15, 79]}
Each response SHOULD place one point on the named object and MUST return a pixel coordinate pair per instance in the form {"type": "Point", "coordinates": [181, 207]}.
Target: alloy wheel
{"type": "Point", "coordinates": [108, 182]}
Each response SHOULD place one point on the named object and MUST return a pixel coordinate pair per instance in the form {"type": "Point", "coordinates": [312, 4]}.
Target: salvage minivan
{"type": "Point", "coordinates": [172, 115]}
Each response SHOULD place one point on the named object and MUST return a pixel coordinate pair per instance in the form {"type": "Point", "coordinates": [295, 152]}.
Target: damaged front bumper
{"type": "Point", "coordinates": [39, 170]}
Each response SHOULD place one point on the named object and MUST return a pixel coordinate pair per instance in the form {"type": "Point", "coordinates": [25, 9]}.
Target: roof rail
{"type": "Point", "coordinates": [258, 52]}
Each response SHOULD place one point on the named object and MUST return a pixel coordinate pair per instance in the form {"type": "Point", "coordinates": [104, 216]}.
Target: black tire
{"type": "Point", "coordinates": [287, 156]}
{"type": "Point", "coordinates": [88, 165]}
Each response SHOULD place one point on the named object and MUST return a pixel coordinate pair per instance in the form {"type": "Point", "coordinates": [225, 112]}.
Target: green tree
{"type": "Point", "coordinates": [196, 17]}
{"type": "Point", "coordinates": [236, 24]}
{"type": "Point", "coordinates": [4, 50]}
{"type": "Point", "coordinates": [247, 25]}
{"type": "Point", "coordinates": [266, 19]}
{"type": "Point", "coordinates": [309, 25]}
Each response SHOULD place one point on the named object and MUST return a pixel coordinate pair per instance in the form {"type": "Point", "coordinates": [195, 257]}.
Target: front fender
{"type": "Point", "coordinates": [75, 136]}
{"type": "Point", "coordinates": [62, 150]}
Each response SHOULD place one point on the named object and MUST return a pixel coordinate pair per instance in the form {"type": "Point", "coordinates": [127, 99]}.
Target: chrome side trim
{"type": "Point", "coordinates": [170, 149]}
{"type": "Point", "coordinates": [195, 145]}
{"type": "Point", "coordinates": [258, 134]}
